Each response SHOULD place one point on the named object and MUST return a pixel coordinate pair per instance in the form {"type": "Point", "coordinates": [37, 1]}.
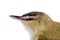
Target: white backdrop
{"type": "Point", "coordinates": [11, 29]}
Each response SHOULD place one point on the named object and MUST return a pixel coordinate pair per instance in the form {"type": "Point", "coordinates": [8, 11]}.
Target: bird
{"type": "Point", "coordinates": [40, 25]}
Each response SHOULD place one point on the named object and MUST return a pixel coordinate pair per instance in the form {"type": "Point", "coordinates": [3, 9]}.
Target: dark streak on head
{"type": "Point", "coordinates": [31, 14]}
{"type": "Point", "coordinates": [28, 14]}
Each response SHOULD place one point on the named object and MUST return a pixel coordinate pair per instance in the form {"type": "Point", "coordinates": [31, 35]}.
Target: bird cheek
{"type": "Point", "coordinates": [32, 25]}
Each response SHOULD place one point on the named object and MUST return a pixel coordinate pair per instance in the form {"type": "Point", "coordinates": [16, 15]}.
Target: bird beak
{"type": "Point", "coordinates": [15, 17]}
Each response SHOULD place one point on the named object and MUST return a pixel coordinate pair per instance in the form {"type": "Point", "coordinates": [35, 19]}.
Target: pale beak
{"type": "Point", "coordinates": [16, 17]}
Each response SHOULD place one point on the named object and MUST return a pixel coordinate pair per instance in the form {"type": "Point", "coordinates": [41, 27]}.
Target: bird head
{"type": "Point", "coordinates": [32, 19]}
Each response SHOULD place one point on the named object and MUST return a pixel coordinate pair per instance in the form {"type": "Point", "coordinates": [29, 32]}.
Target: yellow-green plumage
{"type": "Point", "coordinates": [51, 32]}
{"type": "Point", "coordinates": [46, 28]}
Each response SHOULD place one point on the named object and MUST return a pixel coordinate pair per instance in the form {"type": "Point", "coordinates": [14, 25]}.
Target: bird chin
{"type": "Point", "coordinates": [25, 24]}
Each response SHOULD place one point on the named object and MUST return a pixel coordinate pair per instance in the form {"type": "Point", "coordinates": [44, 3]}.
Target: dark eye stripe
{"type": "Point", "coordinates": [29, 19]}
